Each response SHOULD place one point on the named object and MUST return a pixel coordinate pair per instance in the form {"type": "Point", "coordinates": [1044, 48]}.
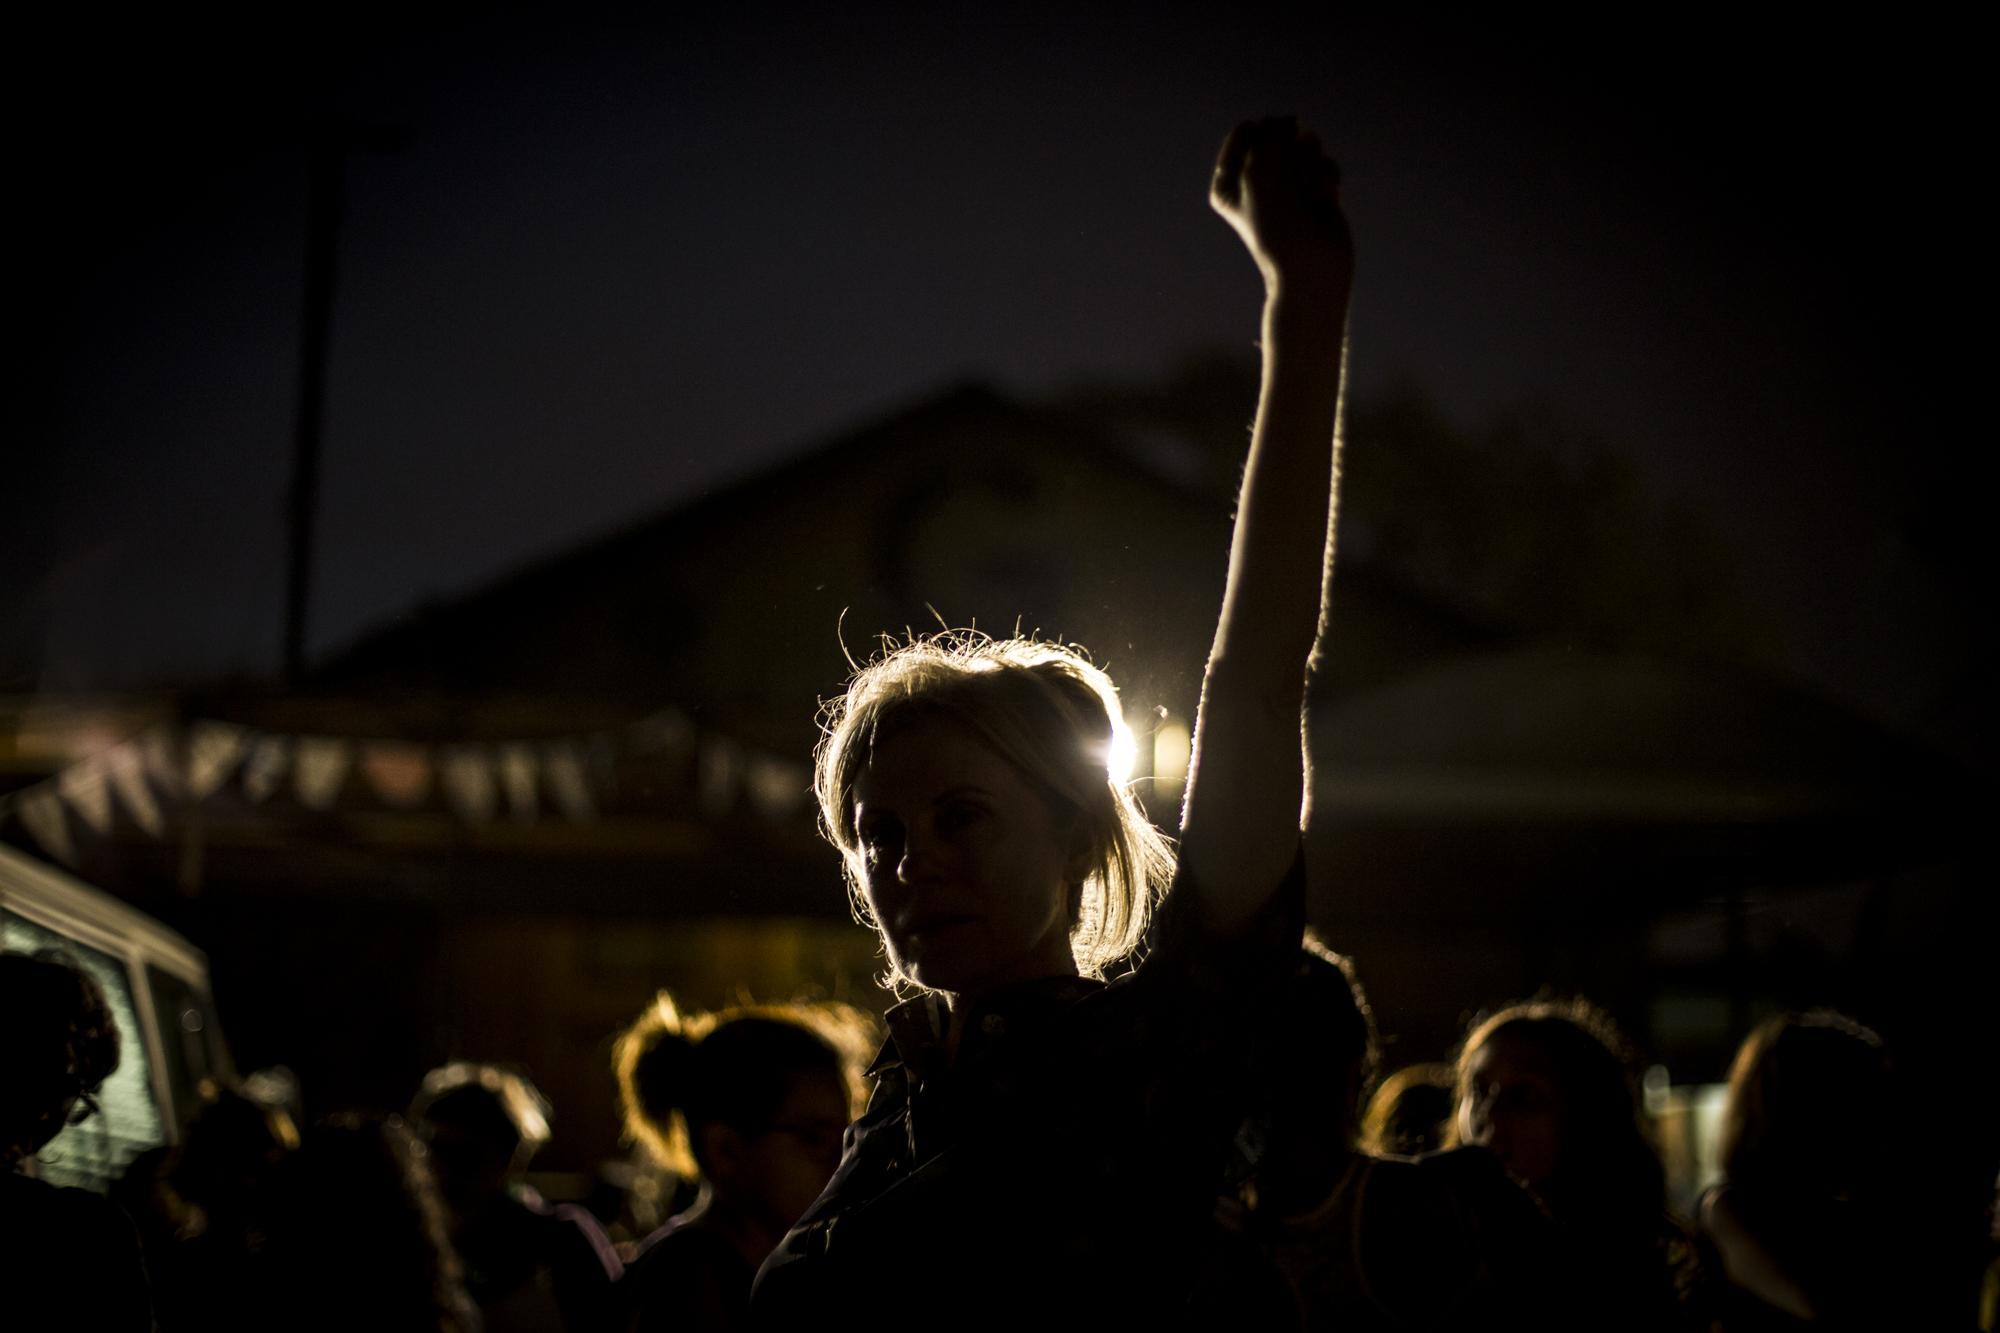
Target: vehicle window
{"type": "Point", "coordinates": [128, 1121]}
{"type": "Point", "coordinates": [189, 1042]}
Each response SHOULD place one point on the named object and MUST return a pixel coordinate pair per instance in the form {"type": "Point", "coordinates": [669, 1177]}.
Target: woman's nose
{"type": "Point", "coordinates": [918, 859]}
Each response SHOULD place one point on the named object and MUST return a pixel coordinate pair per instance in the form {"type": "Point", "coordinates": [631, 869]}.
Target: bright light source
{"type": "Point", "coordinates": [1171, 746]}
{"type": "Point", "coordinates": [1124, 754]}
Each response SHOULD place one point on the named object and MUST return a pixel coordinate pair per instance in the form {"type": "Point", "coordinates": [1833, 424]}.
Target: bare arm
{"type": "Point", "coordinates": [1247, 782]}
{"type": "Point", "coordinates": [1748, 1264]}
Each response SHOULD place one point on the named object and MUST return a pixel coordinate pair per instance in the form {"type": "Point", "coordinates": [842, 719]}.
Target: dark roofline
{"type": "Point", "coordinates": [959, 402]}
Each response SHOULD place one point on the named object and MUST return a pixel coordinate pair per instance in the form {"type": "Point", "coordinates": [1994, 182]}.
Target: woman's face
{"type": "Point", "coordinates": [788, 1160]}
{"type": "Point", "coordinates": [967, 870]}
{"type": "Point", "coordinates": [1512, 1107]}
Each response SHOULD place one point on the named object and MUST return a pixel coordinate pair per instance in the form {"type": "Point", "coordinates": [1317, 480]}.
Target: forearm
{"type": "Point", "coordinates": [1247, 783]}
{"type": "Point", "coordinates": [1747, 1262]}
{"type": "Point", "coordinates": [1281, 553]}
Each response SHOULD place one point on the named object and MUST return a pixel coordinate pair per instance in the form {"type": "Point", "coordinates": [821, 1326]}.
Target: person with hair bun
{"type": "Point", "coordinates": [355, 1238]}
{"type": "Point", "coordinates": [1053, 1110]}
{"type": "Point", "coordinates": [72, 1260]}
{"type": "Point", "coordinates": [751, 1103]}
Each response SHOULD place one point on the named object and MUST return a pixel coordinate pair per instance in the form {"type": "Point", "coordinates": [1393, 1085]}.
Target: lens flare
{"type": "Point", "coordinates": [1123, 756]}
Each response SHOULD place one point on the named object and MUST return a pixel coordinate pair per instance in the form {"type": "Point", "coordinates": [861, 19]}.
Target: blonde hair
{"type": "Point", "coordinates": [678, 1069]}
{"type": "Point", "coordinates": [1047, 710]}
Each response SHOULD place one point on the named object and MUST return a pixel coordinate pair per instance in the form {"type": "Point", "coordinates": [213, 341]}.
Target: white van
{"type": "Point", "coordinates": [157, 986]}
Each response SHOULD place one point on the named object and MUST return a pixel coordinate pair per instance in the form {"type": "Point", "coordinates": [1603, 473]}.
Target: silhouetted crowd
{"type": "Point", "coordinates": [1515, 1188]}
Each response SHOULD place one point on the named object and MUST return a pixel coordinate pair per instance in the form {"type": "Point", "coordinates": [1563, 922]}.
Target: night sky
{"type": "Point", "coordinates": [598, 265]}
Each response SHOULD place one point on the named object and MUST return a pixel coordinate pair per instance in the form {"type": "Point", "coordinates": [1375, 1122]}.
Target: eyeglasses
{"type": "Point", "coordinates": [813, 1135]}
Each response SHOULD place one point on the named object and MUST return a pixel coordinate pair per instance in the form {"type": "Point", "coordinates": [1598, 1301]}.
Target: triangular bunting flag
{"type": "Point", "coordinates": [777, 786]}
{"type": "Point", "coordinates": [562, 768]}
{"type": "Point", "coordinates": [517, 775]}
{"type": "Point", "coordinates": [717, 777]}
{"type": "Point", "coordinates": [163, 766]}
{"type": "Point", "coordinates": [128, 779]}
{"type": "Point", "coordinates": [603, 763]}
{"type": "Point", "coordinates": [43, 815]}
{"type": "Point", "coordinates": [399, 771]}
{"type": "Point", "coordinates": [668, 729]}
{"type": "Point", "coordinates": [86, 791]}
{"type": "Point", "coordinates": [319, 766]}
{"type": "Point", "coordinates": [213, 750]}
{"type": "Point", "coordinates": [466, 773]}
{"type": "Point", "coordinates": [264, 766]}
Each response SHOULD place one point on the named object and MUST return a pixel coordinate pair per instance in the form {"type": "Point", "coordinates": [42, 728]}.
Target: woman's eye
{"type": "Point", "coordinates": [877, 836]}
{"type": "Point", "coordinates": [958, 815]}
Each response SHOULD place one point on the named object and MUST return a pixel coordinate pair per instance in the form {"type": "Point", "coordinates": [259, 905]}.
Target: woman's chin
{"type": "Point", "coordinates": [940, 974]}
{"type": "Point", "coordinates": [960, 960]}
{"type": "Point", "coordinates": [942, 959]}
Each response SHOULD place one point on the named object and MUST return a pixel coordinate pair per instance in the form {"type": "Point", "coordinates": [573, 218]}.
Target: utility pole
{"type": "Point", "coordinates": [328, 144]}
{"type": "Point", "coordinates": [326, 153]}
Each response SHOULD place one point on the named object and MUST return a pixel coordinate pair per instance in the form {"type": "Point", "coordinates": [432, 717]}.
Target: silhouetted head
{"type": "Point", "coordinates": [482, 1124]}
{"type": "Point", "coordinates": [1548, 1088]}
{"type": "Point", "coordinates": [753, 1101]}
{"type": "Point", "coordinates": [1812, 1111]}
{"type": "Point", "coordinates": [969, 784]}
{"type": "Point", "coordinates": [58, 1045]}
{"type": "Point", "coordinates": [1411, 1112]}
{"type": "Point", "coordinates": [232, 1144]}
{"type": "Point", "coordinates": [1329, 1049]}
{"type": "Point", "coordinates": [357, 1236]}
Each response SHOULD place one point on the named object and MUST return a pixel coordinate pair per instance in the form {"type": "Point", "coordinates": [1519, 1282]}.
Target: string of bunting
{"type": "Point", "coordinates": [169, 766]}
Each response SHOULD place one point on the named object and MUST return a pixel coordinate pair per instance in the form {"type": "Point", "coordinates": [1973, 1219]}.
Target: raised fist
{"type": "Point", "coordinates": [1276, 185]}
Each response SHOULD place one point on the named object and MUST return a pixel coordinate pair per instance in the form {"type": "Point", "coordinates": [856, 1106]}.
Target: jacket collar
{"type": "Point", "coordinates": [920, 1027]}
